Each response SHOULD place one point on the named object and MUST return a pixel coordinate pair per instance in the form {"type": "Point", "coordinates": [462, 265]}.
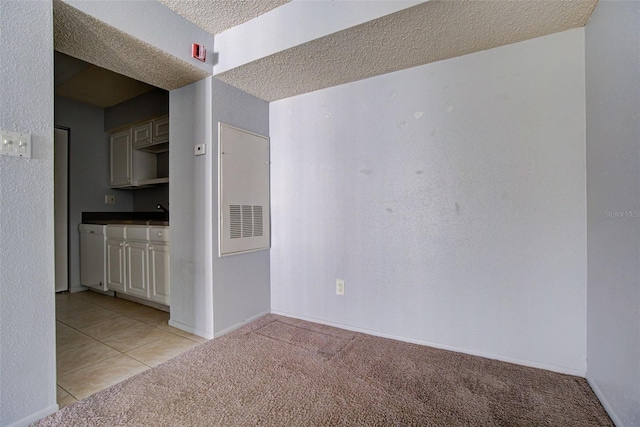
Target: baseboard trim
{"type": "Point", "coordinates": [239, 325]}
{"type": "Point", "coordinates": [516, 361]}
{"type": "Point", "coordinates": [603, 400]}
{"type": "Point", "coordinates": [186, 328]}
{"type": "Point", "coordinates": [34, 417]}
{"type": "Point", "coordinates": [143, 301]}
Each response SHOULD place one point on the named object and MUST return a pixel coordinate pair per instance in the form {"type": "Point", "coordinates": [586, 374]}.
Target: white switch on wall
{"type": "Point", "coordinates": [15, 144]}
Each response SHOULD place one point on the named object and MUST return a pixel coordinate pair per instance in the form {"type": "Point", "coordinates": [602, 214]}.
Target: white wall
{"type": "Point", "coordinates": [192, 217]}
{"type": "Point", "coordinates": [209, 295]}
{"type": "Point", "coordinates": [613, 239]}
{"type": "Point", "coordinates": [241, 283]}
{"type": "Point", "coordinates": [27, 323]}
{"type": "Point", "coordinates": [449, 197]}
{"type": "Point", "coordinates": [88, 172]}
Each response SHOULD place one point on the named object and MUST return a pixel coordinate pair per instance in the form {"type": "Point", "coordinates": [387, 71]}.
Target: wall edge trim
{"type": "Point", "coordinates": [603, 400]}
{"type": "Point", "coordinates": [517, 361]}
{"type": "Point", "coordinates": [239, 325]}
{"type": "Point", "coordinates": [29, 419]}
{"type": "Point", "coordinates": [186, 328]}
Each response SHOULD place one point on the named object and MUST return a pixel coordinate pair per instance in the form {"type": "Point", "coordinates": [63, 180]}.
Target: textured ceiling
{"type": "Point", "coordinates": [431, 31]}
{"type": "Point", "coordinates": [101, 88]}
{"type": "Point", "coordinates": [82, 36]}
{"type": "Point", "coordinates": [219, 15]}
{"type": "Point", "coordinates": [428, 32]}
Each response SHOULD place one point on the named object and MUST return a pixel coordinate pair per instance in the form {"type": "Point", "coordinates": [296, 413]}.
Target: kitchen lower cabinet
{"type": "Point", "coordinates": [138, 261]}
{"type": "Point", "coordinates": [137, 267]}
{"type": "Point", "coordinates": [116, 271]}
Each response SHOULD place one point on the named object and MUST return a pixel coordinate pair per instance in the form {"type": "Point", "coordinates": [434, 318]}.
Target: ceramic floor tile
{"type": "Point", "coordinates": [76, 358]}
{"type": "Point", "coordinates": [161, 350]}
{"type": "Point", "coordinates": [118, 305]}
{"type": "Point", "coordinates": [154, 318]}
{"type": "Point", "coordinates": [182, 333]}
{"type": "Point", "coordinates": [86, 381]}
{"type": "Point", "coordinates": [68, 338]}
{"type": "Point", "coordinates": [74, 310]}
{"type": "Point", "coordinates": [68, 301]}
{"type": "Point", "coordinates": [94, 316]}
{"type": "Point", "coordinates": [63, 398]}
{"type": "Point", "coordinates": [91, 296]}
{"type": "Point", "coordinates": [135, 337]}
{"type": "Point", "coordinates": [110, 327]}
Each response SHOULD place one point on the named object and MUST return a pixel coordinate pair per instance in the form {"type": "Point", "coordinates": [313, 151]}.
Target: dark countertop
{"type": "Point", "coordinates": [127, 218]}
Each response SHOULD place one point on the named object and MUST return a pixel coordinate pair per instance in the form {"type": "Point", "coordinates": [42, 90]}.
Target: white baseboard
{"type": "Point", "coordinates": [516, 361]}
{"type": "Point", "coordinates": [34, 417]}
{"type": "Point", "coordinates": [239, 325]}
{"type": "Point", "coordinates": [143, 301]}
{"type": "Point", "coordinates": [186, 328]}
{"type": "Point", "coordinates": [605, 403]}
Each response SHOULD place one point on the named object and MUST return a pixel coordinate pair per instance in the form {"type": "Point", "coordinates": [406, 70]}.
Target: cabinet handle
{"type": "Point", "coordinates": [121, 244]}
{"type": "Point", "coordinates": [150, 248]}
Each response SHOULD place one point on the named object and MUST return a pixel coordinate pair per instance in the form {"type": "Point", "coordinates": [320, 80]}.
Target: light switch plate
{"type": "Point", "coordinates": [200, 149]}
{"type": "Point", "coordinates": [15, 144]}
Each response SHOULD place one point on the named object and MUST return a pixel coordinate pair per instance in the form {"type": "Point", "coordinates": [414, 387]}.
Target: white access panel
{"type": "Point", "coordinates": [244, 208]}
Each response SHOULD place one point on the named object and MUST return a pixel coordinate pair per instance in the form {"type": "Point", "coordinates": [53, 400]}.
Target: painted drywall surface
{"type": "Point", "coordinates": [154, 23]}
{"type": "Point", "coordinates": [146, 106]}
{"type": "Point", "coordinates": [613, 207]}
{"type": "Point", "coordinates": [292, 24]}
{"type": "Point", "coordinates": [451, 199]}
{"type": "Point", "coordinates": [241, 286]}
{"type": "Point", "coordinates": [146, 200]}
{"type": "Point", "coordinates": [88, 172]}
{"type": "Point", "coordinates": [27, 322]}
{"type": "Point", "coordinates": [192, 217]}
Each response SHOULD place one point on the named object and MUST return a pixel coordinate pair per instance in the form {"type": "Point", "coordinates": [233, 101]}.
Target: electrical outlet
{"type": "Point", "coordinates": [109, 200]}
{"type": "Point", "coordinates": [339, 287]}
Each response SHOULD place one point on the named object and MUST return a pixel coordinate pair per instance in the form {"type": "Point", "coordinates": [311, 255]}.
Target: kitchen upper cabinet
{"type": "Point", "coordinates": [121, 159]}
{"type": "Point", "coordinates": [152, 136]}
{"type": "Point", "coordinates": [141, 135]}
{"type": "Point", "coordinates": [161, 130]}
{"type": "Point", "coordinates": [139, 155]}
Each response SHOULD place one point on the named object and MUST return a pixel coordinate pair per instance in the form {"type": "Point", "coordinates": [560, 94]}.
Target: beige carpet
{"type": "Point", "coordinates": [279, 371]}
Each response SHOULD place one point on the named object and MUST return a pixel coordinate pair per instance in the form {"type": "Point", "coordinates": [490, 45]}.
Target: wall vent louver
{"type": "Point", "coordinates": [257, 221]}
{"type": "Point", "coordinates": [235, 218]}
{"type": "Point", "coordinates": [245, 221]}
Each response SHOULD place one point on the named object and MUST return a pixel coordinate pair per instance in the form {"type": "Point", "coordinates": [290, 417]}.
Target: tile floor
{"type": "Point", "coordinates": [102, 340]}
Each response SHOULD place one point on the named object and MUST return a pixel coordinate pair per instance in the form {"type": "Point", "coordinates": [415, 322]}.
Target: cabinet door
{"type": "Point", "coordinates": [137, 282]}
{"type": "Point", "coordinates": [159, 273]}
{"type": "Point", "coordinates": [121, 151]}
{"type": "Point", "coordinates": [115, 265]}
{"type": "Point", "coordinates": [161, 130]}
{"type": "Point", "coordinates": [142, 135]}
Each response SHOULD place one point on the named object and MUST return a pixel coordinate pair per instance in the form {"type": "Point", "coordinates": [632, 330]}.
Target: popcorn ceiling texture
{"type": "Point", "coordinates": [217, 16]}
{"type": "Point", "coordinates": [82, 36]}
{"type": "Point", "coordinates": [429, 32]}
